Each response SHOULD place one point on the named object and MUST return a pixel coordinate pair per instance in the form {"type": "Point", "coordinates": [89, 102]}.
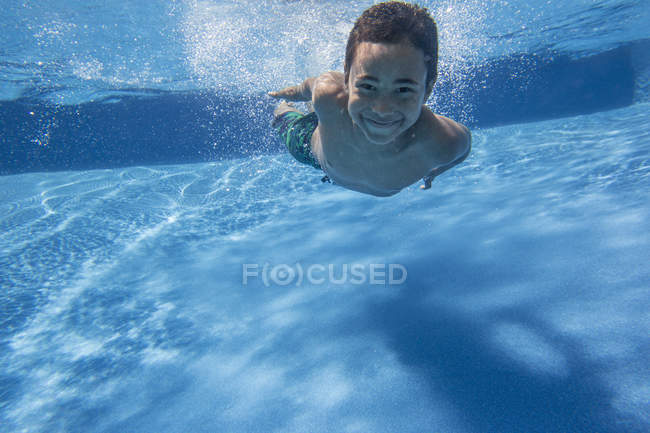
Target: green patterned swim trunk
{"type": "Point", "coordinates": [295, 131]}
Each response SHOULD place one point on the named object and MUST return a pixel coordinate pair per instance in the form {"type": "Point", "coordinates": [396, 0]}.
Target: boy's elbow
{"type": "Point", "coordinates": [459, 146]}
{"type": "Point", "coordinates": [464, 143]}
{"type": "Point", "coordinates": [468, 139]}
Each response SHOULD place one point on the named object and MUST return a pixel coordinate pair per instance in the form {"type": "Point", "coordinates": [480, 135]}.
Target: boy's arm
{"type": "Point", "coordinates": [301, 92]}
{"type": "Point", "coordinates": [321, 91]}
{"type": "Point", "coordinates": [461, 146]}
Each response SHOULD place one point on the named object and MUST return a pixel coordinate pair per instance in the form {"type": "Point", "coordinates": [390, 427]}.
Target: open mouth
{"type": "Point", "coordinates": [382, 124]}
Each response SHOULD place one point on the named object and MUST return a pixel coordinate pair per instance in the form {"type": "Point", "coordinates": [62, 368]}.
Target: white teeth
{"type": "Point", "coordinates": [382, 124]}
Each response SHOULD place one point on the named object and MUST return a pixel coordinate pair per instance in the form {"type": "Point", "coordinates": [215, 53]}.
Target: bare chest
{"type": "Point", "coordinates": [361, 167]}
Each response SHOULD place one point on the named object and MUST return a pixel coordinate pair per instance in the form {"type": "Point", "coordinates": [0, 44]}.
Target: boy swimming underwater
{"type": "Point", "coordinates": [370, 130]}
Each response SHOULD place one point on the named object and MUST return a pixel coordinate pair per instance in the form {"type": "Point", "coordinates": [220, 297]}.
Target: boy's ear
{"type": "Point", "coordinates": [428, 91]}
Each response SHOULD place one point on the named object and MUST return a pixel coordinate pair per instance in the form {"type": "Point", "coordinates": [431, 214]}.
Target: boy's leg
{"type": "Point", "coordinates": [295, 130]}
{"type": "Point", "coordinates": [284, 107]}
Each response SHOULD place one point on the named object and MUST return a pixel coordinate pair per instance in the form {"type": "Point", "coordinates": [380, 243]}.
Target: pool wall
{"type": "Point", "coordinates": [640, 53]}
{"type": "Point", "coordinates": [166, 128]}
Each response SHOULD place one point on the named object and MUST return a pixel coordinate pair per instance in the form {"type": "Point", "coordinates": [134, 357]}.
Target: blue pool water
{"type": "Point", "coordinates": [152, 297]}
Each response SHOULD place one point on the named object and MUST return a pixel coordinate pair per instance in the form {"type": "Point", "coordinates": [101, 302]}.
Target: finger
{"type": "Point", "coordinates": [282, 94]}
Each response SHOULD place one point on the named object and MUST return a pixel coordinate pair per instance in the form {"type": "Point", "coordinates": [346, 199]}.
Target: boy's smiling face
{"type": "Point", "coordinates": [387, 87]}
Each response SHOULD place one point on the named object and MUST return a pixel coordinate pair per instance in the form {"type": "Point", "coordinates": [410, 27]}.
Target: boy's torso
{"type": "Point", "coordinates": [353, 162]}
{"type": "Point", "coordinates": [353, 166]}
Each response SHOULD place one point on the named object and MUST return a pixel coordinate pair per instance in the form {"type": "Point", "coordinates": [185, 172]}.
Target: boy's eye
{"type": "Point", "coordinates": [404, 90]}
{"type": "Point", "coordinates": [366, 86]}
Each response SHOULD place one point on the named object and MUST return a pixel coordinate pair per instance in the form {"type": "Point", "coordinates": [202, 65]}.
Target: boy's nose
{"type": "Point", "coordinates": [383, 105]}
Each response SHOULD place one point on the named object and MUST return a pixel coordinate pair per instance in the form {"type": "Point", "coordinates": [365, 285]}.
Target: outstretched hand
{"type": "Point", "coordinates": [428, 179]}
{"type": "Point", "coordinates": [292, 93]}
{"type": "Point", "coordinates": [301, 92]}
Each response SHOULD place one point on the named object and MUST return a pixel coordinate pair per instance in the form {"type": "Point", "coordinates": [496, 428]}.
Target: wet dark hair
{"type": "Point", "coordinates": [393, 22]}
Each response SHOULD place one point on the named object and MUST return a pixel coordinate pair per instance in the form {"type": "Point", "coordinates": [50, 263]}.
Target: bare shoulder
{"type": "Point", "coordinates": [329, 94]}
{"type": "Point", "coordinates": [330, 81]}
{"type": "Point", "coordinates": [444, 138]}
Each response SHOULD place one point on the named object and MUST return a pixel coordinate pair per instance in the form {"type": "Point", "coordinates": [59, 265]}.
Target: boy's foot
{"type": "Point", "coordinates": [284, 107]}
